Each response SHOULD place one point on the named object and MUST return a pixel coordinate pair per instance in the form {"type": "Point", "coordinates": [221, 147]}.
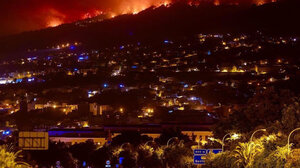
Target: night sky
{"type": "Point", "coordinates": [25, 15]}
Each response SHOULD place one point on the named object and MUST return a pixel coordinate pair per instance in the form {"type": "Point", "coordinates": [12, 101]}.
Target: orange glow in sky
{"type": "Point", "coordinates": [131, 7]}
{"type": "Point", "coordinates": [54, 22]}
{"type": "Point", "coordinates": [38, 14]}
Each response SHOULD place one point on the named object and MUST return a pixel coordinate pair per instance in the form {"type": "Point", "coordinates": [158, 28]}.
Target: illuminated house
{"type": "Point", "coordinates": [98, 110]}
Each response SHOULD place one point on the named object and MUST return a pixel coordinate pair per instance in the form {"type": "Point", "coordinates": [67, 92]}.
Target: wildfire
{"type": "Point", "coordinates": [138, 6]}
{"type": "Point", "coordinates": [217, 2]}
{"type": "Point", "coordinates": [55, 18]}
{"type": "Point", "coordinates": [91, 14]}
{"type": "Point", "coordinates": [54, 22]}
{"type": "Point", "coordinates": [261, 2]}
{"type": "Point", "coordinates": [131, 7]}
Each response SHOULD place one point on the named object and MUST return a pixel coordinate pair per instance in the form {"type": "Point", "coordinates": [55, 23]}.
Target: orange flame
{"type": "Point", "coordinates": [54, 22]}
{"type": "Point", "coordinates": [217, 2]}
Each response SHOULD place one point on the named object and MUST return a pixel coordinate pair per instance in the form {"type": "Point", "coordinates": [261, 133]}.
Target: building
{"type": "Point", "coordinates": [99, 110]}
{"type": "Point", "coordinates": [102, 135]}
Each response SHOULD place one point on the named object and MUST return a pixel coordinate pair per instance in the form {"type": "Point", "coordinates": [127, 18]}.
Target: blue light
{"type": "Point", "coordinates": [134, 67]}
{"type": "Point", "coordinates": [32, 58]}
{"type": "Point", "coordinates": [19, 80]}
{"type": "Point", "coordinates": [170, 111]}
{"type": "Point", "coordinates": [208, 52]}
{"type": "Point", "coordinates": [201, 101]}
{"type": "Point", "coordinates": [82, 58]}
{"type": "Point", "coordinates": [122, 47]}
{"type": "Point", "coordinates": [194, 98]}
{"type": "Point", "coordinates": [30, 79]}
{"type": "Point", "coordinates": [6, 132]}
{"type": "Point", "coordinates": [186, 86]}
{"type": "Point", "coordinates": [121, 86]}
{"type": "Point", "coordinates": [75, 69]}
{"type": "Point", "coordinates": [121, 159]}
{"type": "Point", "coordinates": [84, 163]}
{"type": "Point", "coordinates": [166, 41]}
{"type": "Point", "coordinates": [105, 85]}
{"type": "Point", "coordinates": [72, 47]}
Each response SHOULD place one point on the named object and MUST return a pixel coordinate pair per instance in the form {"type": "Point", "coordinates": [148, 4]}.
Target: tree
{"type": "Point", "coordinates": [100, 156]}
{"type": "Point", "coordinates": [132, 137]}
{"type": "Point", "coordinates": [130, 159]}
{"type": "Point", "coordinates": [223, 159]}
{"type": "Point", "coordinates": [291, 115]}
{"type": "Point", "coordinates": [178, 155]}
{"type": "Point", "coordinates": [129, 155]}
{"type": "Point", "coordinates": [56, 152]}
{"type": "Point", "coordinates": [273, 158]}
{"type": "Point", "coordinates": [237, 122]}
{"type": "Point", "coordinates": [246, 152]}
{"type": "Point", "coordinates": [264, 109]}
{"type": "Point", "coordinates": [267, 151]}
{"type": "Point", "coordinates": [8, 159]}
{"type": "Point", "coordinates": [266, 105]}
{"type": "Point", "coordinates": [149, 157]}
{"type": "Point", "coordinates": [83, 151]}
{"type": "Point", "coordinates": [170, 133]}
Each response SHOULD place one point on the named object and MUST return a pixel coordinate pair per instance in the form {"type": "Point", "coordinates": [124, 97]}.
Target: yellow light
{"type": "Point", "coordinates": [203, 142]}
{"type": "Point", "coordinates": [85, 124]}
{"type": "Point", "coordinates": [54, 106]}
{"type": "Point", "coordinates": [235, 136]}
{"type": "Point", "coordinates": [181, 108]}
{"type": "Point", "coordinates": [211, 138]}
{"type": "Point", "coordinates": [263, 72]}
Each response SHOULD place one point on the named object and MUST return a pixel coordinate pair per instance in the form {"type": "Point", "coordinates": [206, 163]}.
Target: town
{"type": "Point", "coordinates": [179, 101]}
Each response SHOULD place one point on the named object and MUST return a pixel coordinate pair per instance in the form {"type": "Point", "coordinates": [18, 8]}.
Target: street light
{"type": "Point", "coordinates": [289, 139]}
{"type": "Point", "coordinates": [121, 147]}
{"type": "Point", "coordinates": [148, 142]}
{"type": "Point", "coordinates": [234, 136]}
{"type": "Point", "coordinates": [203, 142]}
{"type": "Point", "coordinates": [170, 140]}
{"type": "Point", "coordinates": [263, 130]}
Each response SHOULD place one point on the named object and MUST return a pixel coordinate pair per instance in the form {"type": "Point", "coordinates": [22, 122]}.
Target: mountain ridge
{"type": "Point", "coordinates": [164, 22]}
